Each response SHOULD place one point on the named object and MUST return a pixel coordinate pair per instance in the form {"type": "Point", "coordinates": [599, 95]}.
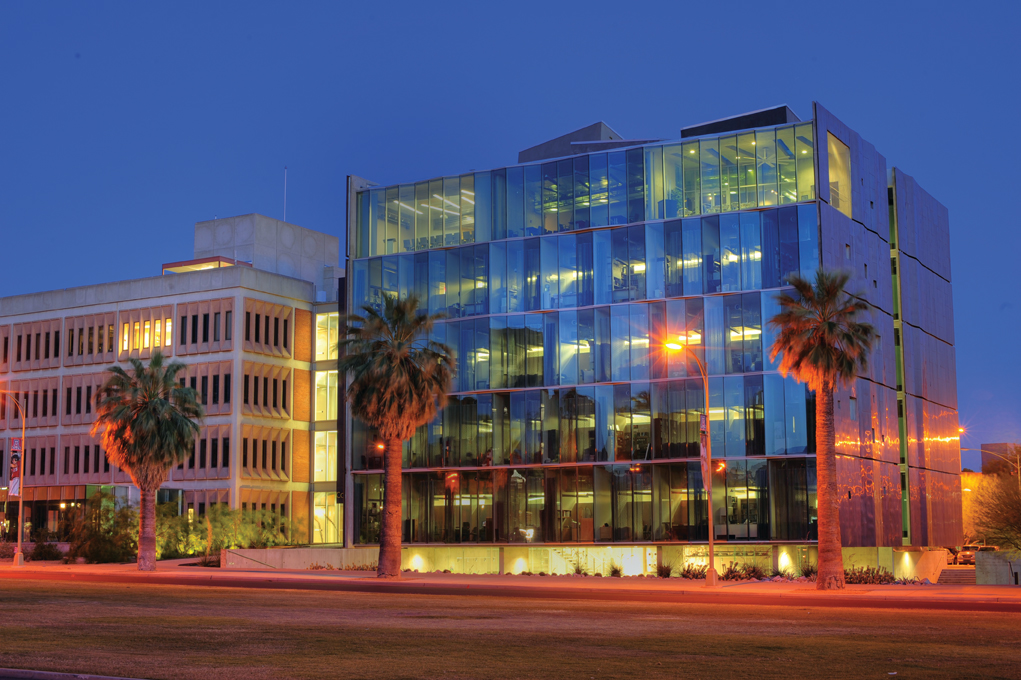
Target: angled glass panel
{"type": "Point", "coordinates": [581, 192]}
{"type": "Point", "coordinates": [692, 172]}
{"type": "Point", "coordinates": [467, 199]}
{"type": "Point", "coordinates": [565, 195]}
{"type": "Point", "coordinates": [765, 159]}
{"type": "Point", "coordinates": [654, 183]}
{"type": "Point", "coordinates": [673, 181]}
{"type": "Point", "coordinates": [786, 166]}
{"type": "Point", "coordinates": [751, 251]}
{"type": "Point", "coordinates": [730, 253]}
{"type": "Point", "coordinates": [804, 149]}
{"type": "Point", "coordinates": [729, 186]}
{"type": "Point", "coordinates": [617, 179]}
{"type": "Point", "coordinates": [709, 160]}
{"type": "Point", "coordinates": [599, 183]}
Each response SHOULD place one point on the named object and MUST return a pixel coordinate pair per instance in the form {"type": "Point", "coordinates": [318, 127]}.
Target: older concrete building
{"type": "Point", "coordinates": [254, 316]}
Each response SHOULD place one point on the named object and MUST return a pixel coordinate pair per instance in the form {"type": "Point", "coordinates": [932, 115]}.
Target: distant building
{"type": "Point", "coordinates": [571, 432]}
{"type": "Point", "coordinates": [254, 315]}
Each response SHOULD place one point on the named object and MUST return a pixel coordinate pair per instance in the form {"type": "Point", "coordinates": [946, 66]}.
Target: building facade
{"type": "Point", "coordinates": [254, 316]}
{"type": "Point", "coordinates": [571, 436]}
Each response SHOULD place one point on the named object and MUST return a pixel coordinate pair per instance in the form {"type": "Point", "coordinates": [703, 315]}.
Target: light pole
{"type": "Point", "coordinates": [19, 557]}
{"type": "Point", "coordinates": [1014, 462]}
{"type": "Point", "coordinates": [707, 453]}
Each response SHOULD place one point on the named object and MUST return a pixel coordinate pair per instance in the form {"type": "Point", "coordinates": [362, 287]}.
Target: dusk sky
{"type": "Point", "coordinates": [121, 125]}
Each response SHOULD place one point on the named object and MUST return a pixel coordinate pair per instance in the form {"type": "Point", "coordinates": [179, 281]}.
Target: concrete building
{"type": "Point", "coordinates": [571, 436]}
{"type": "Point", "coordinates": [253, 315]}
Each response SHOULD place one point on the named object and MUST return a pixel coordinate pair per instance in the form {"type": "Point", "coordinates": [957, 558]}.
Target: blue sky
{"type": "Point", "coordinates": [121, 125]}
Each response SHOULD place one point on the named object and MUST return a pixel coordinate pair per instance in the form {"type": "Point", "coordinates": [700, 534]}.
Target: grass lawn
{"type": "Point", "coordinates": [179, 632]}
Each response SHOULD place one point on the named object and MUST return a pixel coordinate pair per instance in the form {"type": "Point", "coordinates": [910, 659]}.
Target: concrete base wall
{"type": "Point", "coordinates": [920, 564]}
{"type": "Point", "coordinates": [994, 569]}
{"type": "Point", "coordinates": [300, 558]}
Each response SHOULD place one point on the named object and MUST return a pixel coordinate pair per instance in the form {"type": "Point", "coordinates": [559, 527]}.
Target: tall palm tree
{"type": "Point", "coordinates": [398, 381]}
{"type": "Point", "coordinates": [147, 423]}
{"type": "Point", "coordinates": [824, 345]}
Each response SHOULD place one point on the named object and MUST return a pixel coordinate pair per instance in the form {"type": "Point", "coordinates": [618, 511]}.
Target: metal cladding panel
{"type": "Point", "coordinates": [923, 225]}
{"type": "Point", "coordinates": [856, 491]}
{"type": "Point", "coordinates": [889, 531]}
{"type": "Point", "coordinates": [868, 172]}
{"type": "Point", "coordinates": [914, 418]}
{"type": "Point", "coordinates": [917, 499]}
{"type": "Point", "coordinates": [926, 300]}
{"type": "Point", "coordinates": [946, 526]}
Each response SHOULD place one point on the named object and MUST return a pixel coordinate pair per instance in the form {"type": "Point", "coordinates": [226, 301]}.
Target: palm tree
{"type": "Point", "coordinates": [824, 345]}
{"type": "Point", "coordinates": [147, 422]}
{"type": "Point", "coordinates": [398, 381]}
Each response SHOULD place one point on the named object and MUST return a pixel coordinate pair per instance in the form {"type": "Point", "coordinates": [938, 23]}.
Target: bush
{"type": "Point", "coordinates": [615, 570]}
{"type": "Point", "coordinates": [809, 570]}
{"type": "Point", "coordinates": [665, 570]}
{"type": "Point", "coordinates": [694, 571]}
{"type": "Point", "coordinates": [732, 573]}
{"type": "Point", "coordinates": [782, 573]}
{"type": "Point", "coordinates": [750, 571]}
{"type": "Point", "coordinates": [45, 552]}
{"type": "Point", "coordinates": [6, 550]}
{"type": "Point", "coordinates": [867, 575]}
{"type": "Point", "coordinates": [104, 532]}
{"type": "Point", "coordinates": [580, 570]}
{"type": "Point", "coordinates": [220, 528]}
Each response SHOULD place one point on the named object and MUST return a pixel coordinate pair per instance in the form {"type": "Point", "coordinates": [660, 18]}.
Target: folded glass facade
{"type": "Point", "coordinates": [560, 284]}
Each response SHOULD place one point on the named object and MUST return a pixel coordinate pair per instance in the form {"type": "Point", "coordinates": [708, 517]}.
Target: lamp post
{"type": "Point", "coordinates": [1014, 462]}
{"type": "Point", "coordinates": [707, 451]}
{"type": "Point", "coordinates": [19, 557]}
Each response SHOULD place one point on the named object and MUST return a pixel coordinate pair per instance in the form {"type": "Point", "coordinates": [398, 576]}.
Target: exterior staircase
{"type": "Point", "coordinates": [957, 575]}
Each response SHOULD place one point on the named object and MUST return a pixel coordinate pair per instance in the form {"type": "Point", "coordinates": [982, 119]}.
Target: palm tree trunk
{"type": "Point", "coordinates": [831, 559]}
{"type": "Point", "coordinates": [147, 531]}
{"type": "Point", "coordinates": [390, 527]}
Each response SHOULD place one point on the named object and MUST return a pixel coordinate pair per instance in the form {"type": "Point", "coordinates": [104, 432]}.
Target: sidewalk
{"type": "Point", "coordinates": [176, 573]}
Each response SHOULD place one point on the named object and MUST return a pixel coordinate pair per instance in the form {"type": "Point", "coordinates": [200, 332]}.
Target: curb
{"type": "Point", "coordinates": [23, 674]}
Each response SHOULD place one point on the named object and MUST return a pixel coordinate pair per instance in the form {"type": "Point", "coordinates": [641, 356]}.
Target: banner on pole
{"type": "Point", "coordinates": [703, 436]}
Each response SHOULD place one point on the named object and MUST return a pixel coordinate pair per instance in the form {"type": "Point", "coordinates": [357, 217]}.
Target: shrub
{"type": "Point", "coordinates": [45, 552]}
{"type": "Point", "coordinates": [579, 569]}
{"type": "Point", "coordinates": [615, 570]}
{"type": "Point", "coordinates": [750, 571]}
{"type": "Point", "coordinates": [220, 528]}
{"type": "Point", "coordinates": [665, 570]}
{"type": "Point", "coordinates": [104, 532]}
{"type": "Point", "coordinates": [732, 573]}
{"type": "Point", "coordinates": [773, 573]}
{"type": "Point", "coordinates": [6, 550]}
{"type": "Point", "coordinates": [808, 570]}
{"type": "Point", "coordinates": [868, 575]}
{"type": "Point", "coordinates": [694, 571]}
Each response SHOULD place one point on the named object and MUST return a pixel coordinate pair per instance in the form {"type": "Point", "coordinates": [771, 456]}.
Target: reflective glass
{"type": "Point", "coordinates": [620, 339]}
{"type": "Point", "coordinates": [617, 180]}
{"type": "Point", "coordinates": [422, 214]}
{"type": "Point", "coordinates": [804, 149]}
{"type": "Point", "coordinates": [765, 158]}
{"type": "Point", "coordinates": [711, 265]}
{"type": "Point", "coordinates": [691, 169]}
{"type": "Point", "coordinates": [839, 166]}
{"type": "Point", "coordinates": [729, 195]}
{"type": "Point", "coordinates": [639, 315]}
{"type": "Point", "coordinates": [709, 160]}
{"type": "Point", "coordinates": [691, 235]}
{"type": "Point", "coordinates": [747, 186]}
{"type": "Point", "coordinates": [515, 202]}
{"type": "Point", "coordinates": [584, 282]}
{"type": "Point", "coordinates": [533, 200]}
{"type": "Point", "coordinates": [581, 192]}
{"type": "Point", "coordinates": [515, 276]}
{"type": "Point", "coordinates": [730, 253]}
{"type": "Point", "coordinates": [775, 441]}
{"type": "Point", "coordinates": [604, 272]}
{"type": "Point", "coordinates": [673, 259]}
{"type": "Point", "coordinates": [599, 210]}
{"type": "Point", "coordinates": [565, 195]}
{"type": "Point", "coordinates": [451, 207]}
{"type": "Point", "coordinates": [635, 185]}
{"type": "Point", "coordinates": [786, 166]}
{"type": "Point", "coordinates": [751, 251]}
{"type": "Point", "coordinates": [408, 214]}
{"type": "Point", "coordinates": [568, 277]}
{"type": "Point", "coordinates": [654, 183]}
{"type": "Point", "coordinates": [392, 220]}
{"type": "Point", "coordinates": [655, 262]}
{"type": "Point", "coordinates": [752, 331]}
{"type": "Point", "coordinates": [549, 271]}
{"type": "Point", "coordinates": [569, 348]}
{"type": "Point", "coordinates": [483, 207]}
{"type": "Point", "coordinates": [808, 240]}
{"type": "Point", "coordinates": [497, 278]}
{"type": "Point", "coordinates": [673, 182]}
{"type": "Point", "coordinates": [499, 200]}
{"type": "Point", "coordinates": [549, 198]}
{"type": "Point", "coordinates": [733, 387]}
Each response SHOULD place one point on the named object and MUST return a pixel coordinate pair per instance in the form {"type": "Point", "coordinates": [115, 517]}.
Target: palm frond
{"type": "Point", "coordinates": [819, 337]}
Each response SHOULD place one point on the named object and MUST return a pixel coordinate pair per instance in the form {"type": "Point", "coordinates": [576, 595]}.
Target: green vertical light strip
{"type": "Point", "coordinates": [898, 334]}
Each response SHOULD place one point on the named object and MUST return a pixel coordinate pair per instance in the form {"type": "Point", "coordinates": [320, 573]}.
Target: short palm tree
{"type": "Point", "coordinates": [824, 345]}
{"type": "Point", "coordinates": [398, 381]}
{"type": "Point", "coordinates": [148, 424]}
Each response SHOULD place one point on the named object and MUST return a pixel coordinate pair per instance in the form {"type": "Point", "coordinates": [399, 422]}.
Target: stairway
{"type": "Point", "coordinates": [957, 576]}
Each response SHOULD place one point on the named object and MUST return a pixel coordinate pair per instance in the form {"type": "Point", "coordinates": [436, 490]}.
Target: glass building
{"type": "Point", "coordinates": [562, 279]}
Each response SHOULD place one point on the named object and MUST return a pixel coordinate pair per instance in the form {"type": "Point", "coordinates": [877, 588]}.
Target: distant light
{"type": "Point", "coordinates": [380, 446]}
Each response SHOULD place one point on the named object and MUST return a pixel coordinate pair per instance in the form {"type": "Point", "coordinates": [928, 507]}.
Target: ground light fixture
{"type": "Point", "coordinates": [19, 556]}
{"type": "Point", "coordinates": [707, 453]}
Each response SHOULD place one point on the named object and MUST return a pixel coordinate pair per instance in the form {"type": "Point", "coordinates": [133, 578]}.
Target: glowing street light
{"type": "Point", "coordinates": [707, 453]}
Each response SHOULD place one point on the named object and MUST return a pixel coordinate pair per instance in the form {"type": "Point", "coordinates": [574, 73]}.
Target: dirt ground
{"type": "Point", "coordinates": [151, 631]}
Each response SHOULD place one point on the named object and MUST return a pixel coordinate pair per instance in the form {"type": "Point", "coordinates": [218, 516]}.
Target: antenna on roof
{"type": "Point", "coordinates": [285, 193]}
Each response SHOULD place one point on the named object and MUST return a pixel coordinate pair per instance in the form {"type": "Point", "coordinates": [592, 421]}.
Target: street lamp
{"type": "Point", "coordinates": [1014, 462]}
{"type": "Point", "coordinates": [707, 451]}
{"type": "Point", "coordinates": [19, 557]}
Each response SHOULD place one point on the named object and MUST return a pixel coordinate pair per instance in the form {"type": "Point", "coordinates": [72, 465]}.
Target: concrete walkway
{"type": "Point", "coordinates": [181, 573]}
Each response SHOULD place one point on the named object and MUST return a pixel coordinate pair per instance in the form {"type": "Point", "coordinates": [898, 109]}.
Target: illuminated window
{"type": "Point", "coordinates": [840, 174]}
{"type": "Point", "coordinates": [146, 335]}
{"type": "Point", "coordinates": [169, 334]}
{"type": "Point", "coordinates": [124, 345]}
{"type": "Point", "coordinates": [326, 457]}
{"type": "Point", "coordinates": [157, 327]}
{"type": "Point", "coordinates": [327, 518]}
{"type": "Point", "coordinates": [326, 395]}
{"type": "Point", "coordinates": [137, 335]}
{"type": "Point", "coordinates": [327, 335]}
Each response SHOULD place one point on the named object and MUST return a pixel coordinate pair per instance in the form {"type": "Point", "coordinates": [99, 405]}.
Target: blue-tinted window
{"type": "Point", "coordinates": [711, 268]}
{"type": "Point", "coordinates": [599, 202]}
{"type": "Point", "coordinates": [568, 276]}
{"type": "Point", "coordinates": [655, 262]}
{"type": "Point", "coordinates": [515, 202]}
{"type": "Point", "coordinates": [581, 192]}
{"type": "Point", "coordinates": [585, 283]}
{"type": "Point", "coordinates": [730, 253]}
{"type": "Point", "coordinates": [497, 278]}
{"type": "Point", "coordinates": [789, 259]}
{"type": "Point", "coordinates": [565, 195]}
{"type": "Point", "coordinates": [533, 200]}
{"type": "Point", "coordinates": [673, 251]}
{"type": "Point", "coordinates": [620, 350]}
{"type": "Point", "coordinates": [752, 315]}
{"type": "Point", "coordinates": [533, 275]}
{"type": "Point", "coordinates": [549, 198]}
{"type": "Point", "coordinates": [483, 207]}
{"type": "Point", "coordinates": [733, 334]}
{"type": "Point", "coordinates": [636, 263]}
{"type": "Point", "coordinates": [549, 269]}
{"type": "Point", "coordinates": [516, 276]}
{"type": "Point", "coordinates": [603, 267]}
{"type": "Point", "coordinates": [796, 422]}
{"type": "Point", "coordinates": [569, 348]}
{"type": "Point", "coordinates": [751, 252]}
{"type": "Point", "coordinates": [617, 180]}
{"type": "Point", "coordinates": [770, 249]}
{"type": "Point", "coordinates": [808, 237]}
{"type": "Point", "coordinates": [499, 201]}
{"type": "Point", "coordinates": [635, 185]}
{"type": "Point", "coordinates": [639, 341]}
